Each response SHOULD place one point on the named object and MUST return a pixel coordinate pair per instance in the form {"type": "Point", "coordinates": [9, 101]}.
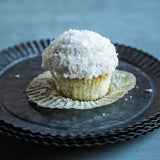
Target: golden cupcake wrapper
{"type": "Point", "coordinates": [42, 91]}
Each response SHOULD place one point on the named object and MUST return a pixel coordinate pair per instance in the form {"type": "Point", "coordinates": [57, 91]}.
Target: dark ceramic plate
{"type": "Point", "coordinates": [135, 114]}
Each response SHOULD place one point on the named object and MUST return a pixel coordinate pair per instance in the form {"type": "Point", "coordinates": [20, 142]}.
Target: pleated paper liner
{"type": "Point", "coordinates": [42, 91]}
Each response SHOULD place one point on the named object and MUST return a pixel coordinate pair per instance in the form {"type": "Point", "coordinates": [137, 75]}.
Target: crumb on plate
{"type": "Point", "coordinates": [17, 76]}
{"type": "Point", "coordinates": [149, 90]}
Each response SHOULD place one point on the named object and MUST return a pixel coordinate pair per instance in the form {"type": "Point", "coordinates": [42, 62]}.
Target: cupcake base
{"type": "Point", "coordinates": [42, 91]}
{"type": "Point", "coordinates": [81, 89]}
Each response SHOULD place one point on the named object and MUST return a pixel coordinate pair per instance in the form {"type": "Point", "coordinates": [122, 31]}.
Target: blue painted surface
{"type": "Point", "coordinates": [135, 23]}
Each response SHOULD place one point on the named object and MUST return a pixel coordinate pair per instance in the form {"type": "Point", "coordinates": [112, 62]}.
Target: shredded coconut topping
{"type": "Point", "coordinates": [80, 54]}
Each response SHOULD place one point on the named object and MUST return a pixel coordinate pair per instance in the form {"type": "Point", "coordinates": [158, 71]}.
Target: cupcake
{"type": "Point", "coordinates": [81, 63]}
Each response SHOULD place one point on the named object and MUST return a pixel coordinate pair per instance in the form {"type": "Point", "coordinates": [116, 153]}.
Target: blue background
{"type": "Point", "coordinates": [134, 23]}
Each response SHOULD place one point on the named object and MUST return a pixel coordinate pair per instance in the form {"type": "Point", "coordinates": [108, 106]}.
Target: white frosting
{"type": "Point", "coordinates": [80, 54]}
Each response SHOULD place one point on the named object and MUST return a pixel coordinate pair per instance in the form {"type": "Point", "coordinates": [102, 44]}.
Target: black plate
{"type": "Point", "coordinates": [135, 114]}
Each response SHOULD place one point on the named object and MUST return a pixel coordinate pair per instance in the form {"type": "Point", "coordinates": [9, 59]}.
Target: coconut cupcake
{"type": "Point", "coordinates": [81, 64]}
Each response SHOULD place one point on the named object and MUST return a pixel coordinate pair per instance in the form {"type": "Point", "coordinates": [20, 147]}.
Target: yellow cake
{"type": "Point", "coordinates": [83, 89]}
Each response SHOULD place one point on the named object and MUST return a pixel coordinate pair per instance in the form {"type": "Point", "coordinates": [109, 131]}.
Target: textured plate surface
{"type": "Point", "coordinates": [134, 114]}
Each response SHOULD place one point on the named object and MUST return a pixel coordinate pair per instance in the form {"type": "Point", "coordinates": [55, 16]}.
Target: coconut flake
{"type": "Point", "coordinates": [17, 76]}
{"type": "Point", "coordinates": [149, 90]}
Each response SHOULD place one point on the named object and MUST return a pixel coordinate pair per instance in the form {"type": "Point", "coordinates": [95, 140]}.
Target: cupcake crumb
{"type": "Point", "coordinates": [130, 97]}
{"type": "Point", "coordinates": [17, 76]}
{"type": "Point", "coordinates": [149, 90]}
{"type": "Point", "coordinates": [103, 114]}
{"type": "Point", "coordinates": [126, 99]}
{"type": "Point", "coordinates": [137, 87]}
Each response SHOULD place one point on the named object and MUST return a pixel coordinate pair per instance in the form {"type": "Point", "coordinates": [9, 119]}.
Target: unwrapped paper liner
{"type": "Point", "coordinates": [42, 91]}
